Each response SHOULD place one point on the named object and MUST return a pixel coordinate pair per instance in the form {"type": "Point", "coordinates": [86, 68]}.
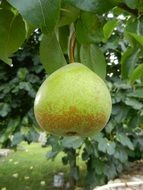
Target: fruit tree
{"type": "Point", "coordinates": [87, 48]}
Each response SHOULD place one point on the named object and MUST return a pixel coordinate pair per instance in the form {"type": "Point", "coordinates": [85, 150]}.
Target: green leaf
{"type": "Point", "coordinates": [12, 34]}
{"type": "Point", "coordinates": [17, 138]}
{"type": "Point", "coordinates": [105, 145]}
{"type": "Point", "coordinates": [4, 109]}
{"type": "Point", "coordinates": [132, 25]}
{"type": "Point", "coordinates": [63, 38]}
{"type": "Point", "coordinates": [121, 154]}
{"type": "Point", "coordinates": [41, 13]}
{"type": "Point", "coordinates": [68, 14]}
{"type": "Point", "coordinates": [110, 170]}
{"type": "Point", "coordinates": [29, 29]}
{"type": "Point", "coordinates": [22, 73]}
{"type": "Point", "coordinates": [131, 3]}
{"type": "Point", "coordinates": [109, 27]}
{"type": "Point", "coordinates": [133, 103]}
{"type": "Point", "coordinates": [128, 61]}
{"type": "Point", "coordinates": [51, 154]}
{"type": "Point", "coordinates": [89, 28]}
{"type": "Point", "coordinates": [5, 5]}
{"type": "Point", "coordinates": [137, 38]}
{"type": "Point", "coordinates": [92, 57]}
{"type": "Point", "coordinates": [72, 142]}
{"type": "Point", "coordinates": [137, 74]}
{"type": "Point", "coordinates": [98, 6]}
{"type": "Point", "coordinates": [51, 54]}
{"type": "Point", "coordinates": [138, 93]}
{"type": "Point", "coordinates": [124, 140]}
{"type": "Point", "coordinates": [111, 147]}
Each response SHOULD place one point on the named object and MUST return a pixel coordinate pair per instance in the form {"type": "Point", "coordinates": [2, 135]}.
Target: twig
{"type": "Point", "coordinates": [72, 47]}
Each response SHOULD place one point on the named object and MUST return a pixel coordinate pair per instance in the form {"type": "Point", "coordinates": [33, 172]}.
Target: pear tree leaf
{"type": "Point", "coordinates": [72, 142]}
{"type": "Point", "coordinates": [137, 74]}
{"type": "Point", "coordinates": [93, 57]}
{"type": "Point", "coordinates": [17, 138]}
{"type": "Point", "coordinates": [12, 34]}
{"type": "Point", "coordinates": [128, 61]}
{"type": "Point", "coordinates": [41, 13]}
{"type": "Point", "coordinates": [109, 27]}
{"type": "Point", "coordinates": [137, 38]}
{"type": "Point", "coordinates": [64, 37]}
{"type": "Point", "coordinates": [97, 6]}
{"type": "Point", "coordinates": [89, 28]}
{"type": "Point", "coordinates": [131, 3]}
{"type": "Point", "coordinates": [124, 140]}
{"type": "Point", "coordinates": [29, 29]}
{"type": "Point", "coordinates": [121, 154]}
{"type": "Point", "coordinates": [105, 145]}
{"type": "Point", "coordinates": [137, 93]}
{"type": "Point", "coordinates": [68, 14]}
{"type": "Point", "coordinates": [51, 55]}
{"type": "Point", "coordinates": [134, 103]}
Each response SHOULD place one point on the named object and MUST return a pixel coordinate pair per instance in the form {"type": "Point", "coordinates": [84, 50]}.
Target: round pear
{"type": "Point", "coordinates": [73, 101]}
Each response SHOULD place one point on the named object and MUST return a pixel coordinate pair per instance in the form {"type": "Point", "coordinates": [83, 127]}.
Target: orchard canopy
{"type": "Point", "coordinates": [89, 31]}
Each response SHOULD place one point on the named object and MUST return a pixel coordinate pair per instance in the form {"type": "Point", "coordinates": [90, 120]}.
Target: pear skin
{"type": "Point", "coordinates": [73, 101]}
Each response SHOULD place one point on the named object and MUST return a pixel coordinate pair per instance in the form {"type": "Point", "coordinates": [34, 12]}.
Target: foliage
{"type": "Point", "coordinates": [19, 85]}
{"type": "Point", "coordinates": [107, 153]}
{"type": "Point", "coordinates": [106, 36]}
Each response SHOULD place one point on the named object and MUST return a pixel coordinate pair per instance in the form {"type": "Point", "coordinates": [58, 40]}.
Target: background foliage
{"type": "Point", "coordinates": [108, 38]}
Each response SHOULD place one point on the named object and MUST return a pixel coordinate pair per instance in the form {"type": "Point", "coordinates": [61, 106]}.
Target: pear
{"type": "Point", "coordinates": [73, 101]}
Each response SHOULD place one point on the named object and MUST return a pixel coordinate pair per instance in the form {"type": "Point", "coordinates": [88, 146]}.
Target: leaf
{"type": "Point", "coordinates": [4, 109]}
{"type": "Point", "coordinates": [109, 27]}
{"type": "Point", "coordinates": [63, 38]}
{"type": "Point", "coordinates": [17, 138]}
{"type": "Point", "coordinates": [72, 142]}
{"type": "Point", "coordinates": [132, 25]}
{"type": "Point", "coordinates": [128, 61]}
{"type": "Point", "coordinates": [124, 140]}
{"type": "Point", "coordinates": [137, 38]}
{"type": "Point", "coordinates": [89, 28]}
{"type": "Point", "coordinates": [110, 170]}
{"type": "Point", "coordinates": [68, 14]}
{"type": "Point", "coordinates": [51, 154]}
{"type": "Point", "coordinates": [131, 3]}
{"type": "Point", "coordinates": [122, 113]}
{"type": "Point", "coordinates": [137, 74]}
{"type": "Point", "coordinates": [51, 54]}
{"type": "Point", "coordinates": [92, 57]}
{"type": "Point", "coordinates": [98, 6]}
{"type": "Point", "coordinates": [138, 93]}
{"type": "Point", "coordinates": [121, 154]}
{"type": "Point", "coordinates": [12, 34]}
{"type": "Point", "coordinates": [22, 73]}
{"type": "Point", "coordinates": [29, 29]}
{"type": "Point", "coordinates": [133, 103]}
{"type": "Point", "coordinates": [41, 13]}
{"type": "Point", "coordinates": [105, 145]}
{"type": "Point", "coordinates": [111, 147]}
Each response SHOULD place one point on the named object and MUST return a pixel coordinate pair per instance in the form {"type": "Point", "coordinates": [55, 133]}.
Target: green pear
{"type": "Point", "coordinates": [73, 101]}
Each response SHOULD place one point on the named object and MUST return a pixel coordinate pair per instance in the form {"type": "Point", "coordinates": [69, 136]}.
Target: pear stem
{"type": "Point", "coordinates": [72, 44]}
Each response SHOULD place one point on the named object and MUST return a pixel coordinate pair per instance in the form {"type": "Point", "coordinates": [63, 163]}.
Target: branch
{"type": "Point", "coordinates": [128, 9]}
